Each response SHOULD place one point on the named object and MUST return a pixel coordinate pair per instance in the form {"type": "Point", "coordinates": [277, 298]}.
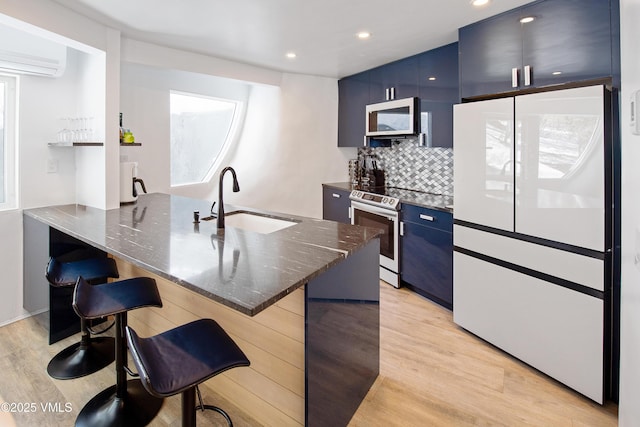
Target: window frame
{"type": "Point", "coordinates": [10, 158]}
{"type": "Point", "coordinates": [231, 138]}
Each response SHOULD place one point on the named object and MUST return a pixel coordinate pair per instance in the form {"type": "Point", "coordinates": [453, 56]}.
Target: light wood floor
{"type": "Point", "coordinates": [432, 373]}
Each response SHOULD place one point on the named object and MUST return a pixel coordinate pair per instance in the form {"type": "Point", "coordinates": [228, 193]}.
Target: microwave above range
{"type": "Point", "coordinates": [400, 117]}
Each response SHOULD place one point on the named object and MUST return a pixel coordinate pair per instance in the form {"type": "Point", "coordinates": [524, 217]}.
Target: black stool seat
{"type": "Point", "coordinates": [67, 273]}
{"type": "Point", "coordinates": [176, 361]}
{"type": "Point", "coordinates": [127, 403]}
{"type": "Point", "coordinates": [96, 301]}
{"type": "Point", "coordinates": [90, 354]}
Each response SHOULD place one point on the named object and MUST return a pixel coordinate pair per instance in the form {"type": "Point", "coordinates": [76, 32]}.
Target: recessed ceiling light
{"type": "Point", "coordinates": [362, 35]}
{"type": "Point", "coordinates": [557, 73]}
{"type": "Point", "coordinates": [527, 19]}
{"type": "Point", "coordinates": [291, 55]}
{"type": "Point", "coordinates": [431, 78]}
{"type": "Point", "coordinates": [479, 2]}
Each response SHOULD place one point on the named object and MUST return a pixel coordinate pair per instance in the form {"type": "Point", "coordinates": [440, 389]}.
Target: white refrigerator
{"type": "Point", "coordinates": [532, 230]}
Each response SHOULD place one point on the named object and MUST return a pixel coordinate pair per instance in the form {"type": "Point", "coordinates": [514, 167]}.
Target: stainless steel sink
{"type": "Point", "coordinates": [255, 222]}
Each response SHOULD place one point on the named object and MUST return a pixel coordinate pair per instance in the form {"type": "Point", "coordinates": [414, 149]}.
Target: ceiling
{"type": "Point", "coordinates": [322, 33]}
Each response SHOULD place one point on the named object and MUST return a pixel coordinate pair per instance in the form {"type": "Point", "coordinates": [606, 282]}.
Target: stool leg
{"type": "Point", "coordinates": [202, 407]}
{"type": "Point", "coordinates": [82, 358]}
{"type": "Point", "coordinates": [121, 355]}
{"type": "Point", "coordinates": [189, 407]}
{"type": "Point", "coordinates": [126, 403]}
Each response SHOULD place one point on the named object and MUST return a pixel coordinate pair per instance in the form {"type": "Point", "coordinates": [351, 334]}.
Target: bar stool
{"type": "Point", "coordinates": [92, 353]}
{"type": "Point", "coordinates": [176, 361]}
{"type": "Point", "coordinates": [126, 403]}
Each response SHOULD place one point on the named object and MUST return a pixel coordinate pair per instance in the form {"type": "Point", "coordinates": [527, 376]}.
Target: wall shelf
{"type": "Point", "coordinates": [130, 144]}
{"type": "Point", "coordinates": [75, 144]}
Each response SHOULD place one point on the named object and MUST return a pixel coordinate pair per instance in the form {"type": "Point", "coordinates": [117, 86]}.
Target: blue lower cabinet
{"type": "Point", "coordinates": [335, 204]}
{"type": "Point", "coordinates": [427, 260]}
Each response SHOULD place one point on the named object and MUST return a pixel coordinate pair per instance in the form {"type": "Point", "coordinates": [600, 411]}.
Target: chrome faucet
{"type": "Point", "coordinates": [236, 188]}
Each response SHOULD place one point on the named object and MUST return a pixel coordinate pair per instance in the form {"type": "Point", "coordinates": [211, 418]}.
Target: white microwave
{"type": "Point", "coordinates": [393, 118]}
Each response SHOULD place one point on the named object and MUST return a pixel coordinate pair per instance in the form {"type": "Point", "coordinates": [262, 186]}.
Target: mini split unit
{"type": "Point", "coordinates": [52, 65]}
{"type": "Point", "coordinates": [25, 53]}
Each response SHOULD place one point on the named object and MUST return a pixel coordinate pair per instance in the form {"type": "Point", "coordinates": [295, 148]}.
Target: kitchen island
{"type": "Point", "coordinates": [301, 299]}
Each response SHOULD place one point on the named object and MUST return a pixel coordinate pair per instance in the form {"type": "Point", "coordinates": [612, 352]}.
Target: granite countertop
{"type": "Point", "coordinates": [244, 270]}
{"type": "Point", "coordinates": [411, 197]}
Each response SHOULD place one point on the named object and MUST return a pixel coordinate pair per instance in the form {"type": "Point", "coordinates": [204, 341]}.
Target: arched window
{"type": "Point", "coordinates": [202, 128]}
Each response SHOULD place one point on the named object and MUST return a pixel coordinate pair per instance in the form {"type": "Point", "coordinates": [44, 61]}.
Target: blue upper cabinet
{"type": "Point", "coordinates": [488, 51]}
{"type": "Point", "coordinates": [405, 78]}
{"type": "Point", "coordinates": [438, 92]}
{"type": "Point", "coordinates": [353, 96]}
{"type": "Point", "coordinates": [567, 41]}
{"type": "Point", "coordinates": [396, 80]}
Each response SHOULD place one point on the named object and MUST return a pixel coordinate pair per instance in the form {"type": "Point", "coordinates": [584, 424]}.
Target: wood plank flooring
{"type": "Point", "coordinates": [432, 373]}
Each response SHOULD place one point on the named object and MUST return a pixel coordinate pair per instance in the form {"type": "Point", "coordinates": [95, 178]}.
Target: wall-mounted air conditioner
{"type": "Point", "coordinates": [22, 63]}
{"type": "Point", "coordinates": [24, 53]}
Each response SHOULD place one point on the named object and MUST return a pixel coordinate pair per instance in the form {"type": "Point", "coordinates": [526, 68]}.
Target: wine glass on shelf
{"type": "Point", "coordinates": [64, 134]}
{"type": "Point", "coordinates": [91, 131]}
{"type": "Point", "coordinates": [75, 129]}
{"type": "Point", "coordinates": [82, 132]}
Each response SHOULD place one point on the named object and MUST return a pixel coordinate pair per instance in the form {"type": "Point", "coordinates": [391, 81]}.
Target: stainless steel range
{"type": "Point", "coordinates": [381, 211]}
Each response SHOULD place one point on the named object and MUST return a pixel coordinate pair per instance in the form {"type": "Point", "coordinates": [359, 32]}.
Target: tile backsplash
{"type": "Point", "coordinates": [409, 166]}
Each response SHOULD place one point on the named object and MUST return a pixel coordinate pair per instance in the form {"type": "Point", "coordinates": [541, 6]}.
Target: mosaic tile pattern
{"type": "Point", "coordinates": [409, 166]}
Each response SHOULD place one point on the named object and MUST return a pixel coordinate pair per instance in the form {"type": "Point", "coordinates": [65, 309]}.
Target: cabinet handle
{"type": "Point", "coordinates": [401, 228]}
{"type": "Point", "coordinates": [527, 75]}
{"type": "Point", "coordinates": [427, 217]}
{"type": "Point", "coordinates": [514, 77]}
{"type": "Point", "coordinates": [393, 93]}
{"type": "Point", "coordinates": [387, 94]}
{"type": "Point", "coordinates": [337, 196]}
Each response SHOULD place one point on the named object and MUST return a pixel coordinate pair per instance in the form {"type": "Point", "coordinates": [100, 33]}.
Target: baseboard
{"type": "Point", "coordinates": [22, 316]}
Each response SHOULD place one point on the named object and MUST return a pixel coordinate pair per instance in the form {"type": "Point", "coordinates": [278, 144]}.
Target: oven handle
{"type": "Point", "coordinates": [389, 214]}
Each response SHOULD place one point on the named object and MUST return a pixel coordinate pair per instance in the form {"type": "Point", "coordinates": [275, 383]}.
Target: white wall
{"type": "Point", "coordinates": [90, 96]}
{"type": "Point", "coordinates": [286, 148]}
{"type": "Point", "coordinates": [629, 410]}
{"type": "Point", "coordinates": [282, 164]}
{"type": "Point", "coordinates": [11, 265]}
{"type": "Point", "coordinates": [144, 92]}
{"type": "Point", "coordinates": [42, 102]}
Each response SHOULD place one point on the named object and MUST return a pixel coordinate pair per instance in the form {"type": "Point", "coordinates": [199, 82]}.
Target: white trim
{"type": "Point", "coordinates": [10, 142]}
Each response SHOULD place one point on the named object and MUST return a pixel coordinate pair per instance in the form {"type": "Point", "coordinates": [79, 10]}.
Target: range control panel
{"type": "Point", "coordinates": [381, 200]}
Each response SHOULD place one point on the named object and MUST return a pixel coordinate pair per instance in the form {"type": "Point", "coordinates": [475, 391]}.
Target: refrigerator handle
{"type": "Point", "coordinates": [514, 77]}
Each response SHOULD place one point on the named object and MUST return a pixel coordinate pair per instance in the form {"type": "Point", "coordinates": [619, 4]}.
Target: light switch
{"type": "Point", "coordinates": [52, 166]}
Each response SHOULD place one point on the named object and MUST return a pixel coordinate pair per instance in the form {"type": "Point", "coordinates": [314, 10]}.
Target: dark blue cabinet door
{"type": "Point", "coordinates": [427, 262]}
{"type": "Point", "coordinates": [488, 51]}
{"type": "Point", "coordinates": [353, 96]}
{"type": "Point", "coordinates": [438, 90]}
{"type": "Point", "coordinates": [569, 40]}
{"type": "Point", "coordinates": [335, 205]}
{"type": "Point", "coordinates": [427, 257]}
{"type": "Point", "coordinates": [400, 75]}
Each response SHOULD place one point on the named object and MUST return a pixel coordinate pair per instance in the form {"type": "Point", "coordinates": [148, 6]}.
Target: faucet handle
{"type": "Point", "coordinates": [213, 213]}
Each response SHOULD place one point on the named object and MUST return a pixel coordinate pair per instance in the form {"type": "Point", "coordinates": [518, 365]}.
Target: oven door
{"type": "Point", "coordinates": [387, 220]}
